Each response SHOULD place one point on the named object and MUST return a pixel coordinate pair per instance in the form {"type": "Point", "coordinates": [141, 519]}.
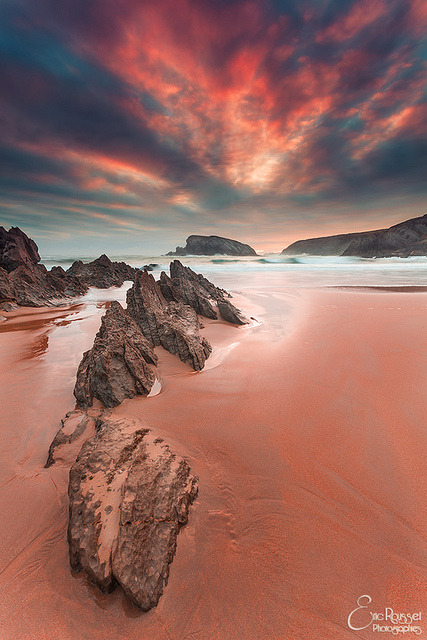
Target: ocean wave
{"type": "Point", "coordinates": [278, 260]}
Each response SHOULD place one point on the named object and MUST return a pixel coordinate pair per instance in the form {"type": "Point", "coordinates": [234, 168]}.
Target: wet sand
{"type": "Point", "coordinates": [307, 435]}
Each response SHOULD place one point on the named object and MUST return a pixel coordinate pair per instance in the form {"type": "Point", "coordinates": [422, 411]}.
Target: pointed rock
{"type": "Point", "coordinates": [197, 291]}
{"type": "Point", "coordinates": [184, 290]}
{"type": "Point", "coordinates": [16, 249]}
{"type": "Point", "coordinates": [117, 365]}
{"type": "Point", "coordinates": [172, 325]}
{"type": "Point", "coordinates": [230, 313]}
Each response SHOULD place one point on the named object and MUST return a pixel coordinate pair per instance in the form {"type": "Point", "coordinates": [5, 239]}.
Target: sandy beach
{"type": "Point", "coordinates": [306, 431]}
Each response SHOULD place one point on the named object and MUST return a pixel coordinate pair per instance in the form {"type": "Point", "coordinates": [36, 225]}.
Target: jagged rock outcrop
{"type": "Point", "coordinates": [204, 286]}
{"type": "Point", "coordinates": [25, 282]}
{"type": "Point", "coordinates": [172, 325]}
{"type": "Point", "coordinates": [405, 239]}
{"type": "Point", "coordinates": [212, 245]}
{"type": "Point", "coordinates": [193, 289]}
{"type": "Point", "coordinates": [16, 249]}
{"type": "Point", "coordinates": [129, 495]}
{"type": "Point", "coordinates": [35, 286]}
{"type": "Point", "coordinates": [102, 272]}
{"type": "Point", "coordinates": [117, 366]}
{"type": "Point", "coordinates": [230, 313]}
{"type": "Point", "coordinates": [178, 290]}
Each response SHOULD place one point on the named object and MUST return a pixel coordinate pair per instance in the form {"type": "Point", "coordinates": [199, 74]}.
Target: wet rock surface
{"type": "Point", "coordinates": [35, 286]}
{"type": "Point", "coordinates": [117, 366]}
{"type": "Point", "coordinates": [230, 313]}
{"type": "Point", "coordinates": [185, 291]}
{"type": "Point", "coordinates": [129, 495]}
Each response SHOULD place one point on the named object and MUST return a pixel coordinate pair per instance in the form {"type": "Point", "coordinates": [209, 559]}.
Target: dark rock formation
{"type": "Point", "coordinates": [16, 249]}
{"type": "Point", "coordinates": [129, 496]}
{"type": "Point", "coordinates": [193, 289]}
{"type": "Point", "coordinates": [185, 291]}
{"type": "Point", "coordinates": [117, 365]}
{"type": "Point", "coordinates": [25, 282]}
{"type": "Point", "coordinates": [102, 272]}
{"type": "Point", "coordinates": [205, 287]}
{"type": "Point", "coordinates": [7, 290]}
{"type": "Point", "coordinates": [405, 239]}
{"type": "Point", "coordinates": [230, 313]}
{"type": "Point", "coordinates": [35, 286]}
{"type": "Point", "coordinates": [172, 325]}
{"type": "Point", "coordinates": [212, 245]}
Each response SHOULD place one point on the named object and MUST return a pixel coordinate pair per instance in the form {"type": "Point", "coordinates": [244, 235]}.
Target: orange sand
{"type": "Point", "coordinates": [308, 440]}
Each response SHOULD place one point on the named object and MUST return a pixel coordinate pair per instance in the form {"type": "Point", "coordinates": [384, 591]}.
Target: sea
{"type": "Point", "coordinates": [276, 269]}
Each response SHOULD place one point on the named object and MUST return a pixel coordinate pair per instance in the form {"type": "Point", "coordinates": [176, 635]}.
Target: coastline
{"type": "Point", "coordinates": [306, 437]}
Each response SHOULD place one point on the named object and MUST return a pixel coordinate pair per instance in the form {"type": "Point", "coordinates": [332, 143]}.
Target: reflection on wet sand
{"type": "Point", "coordinates": [37, 348]}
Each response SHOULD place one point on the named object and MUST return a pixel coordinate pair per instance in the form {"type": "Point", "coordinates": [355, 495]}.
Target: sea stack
{"type": "Point", "coordinates": [213, 245]}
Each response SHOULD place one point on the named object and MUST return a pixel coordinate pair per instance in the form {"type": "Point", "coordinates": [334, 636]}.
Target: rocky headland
{"type": "Point", "coordinates": [402, 240]}
{"type": "Point", "coordinates": [212, 245]}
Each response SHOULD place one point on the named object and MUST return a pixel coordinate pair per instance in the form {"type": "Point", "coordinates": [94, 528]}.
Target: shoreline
{"type": "Point", "coordinates": [306, 420]}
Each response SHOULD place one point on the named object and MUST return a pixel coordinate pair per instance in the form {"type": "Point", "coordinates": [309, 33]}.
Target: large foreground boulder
{"type": "Point", "coordinates": [212, 245]}
{"type": "Point", "coordinates": [102, 272]}
{"type": "Point", "coordinates": [172, 325]}
{"type": "Point", "coordinates": [16, 249]}
{"type": "Point", "coordinates": [117, 366]}
{"type": "Point", "coordinates": [129, 495]}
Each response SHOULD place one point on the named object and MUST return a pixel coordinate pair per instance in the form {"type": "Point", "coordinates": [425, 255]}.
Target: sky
{"type": "Point", "coordinates": [126, 125]}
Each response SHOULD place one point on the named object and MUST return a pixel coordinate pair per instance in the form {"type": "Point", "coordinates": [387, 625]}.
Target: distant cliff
{"type": "Point", "coordinates": [211, 245]}
{"type": "Point", "coordinates": [405, 239]}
